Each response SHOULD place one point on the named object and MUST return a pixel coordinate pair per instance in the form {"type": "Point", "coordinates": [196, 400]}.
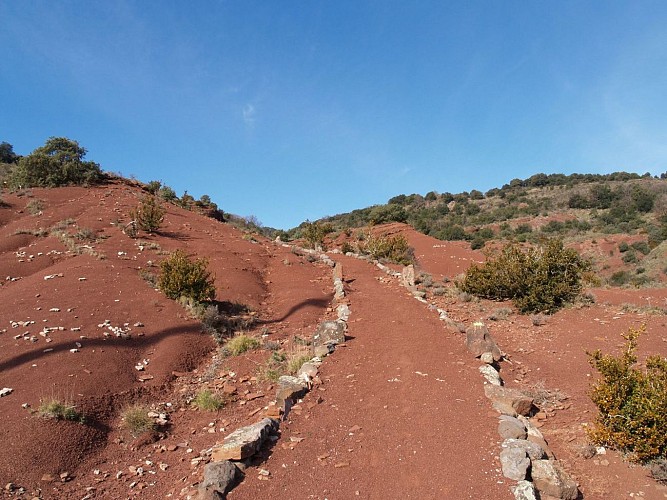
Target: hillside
{"type": "Point", "coordinates": [619, 220]}
{"type": "Point", "coordinates": [389, 412]}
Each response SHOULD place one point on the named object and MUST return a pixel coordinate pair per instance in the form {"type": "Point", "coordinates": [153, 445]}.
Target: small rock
{"type": "Point", "coordinates": [514, 463]}
{"type": "Point", "coordinates": [534, 451]}
{"type": "Point", "coordinates": [479, 341]}
{"type": "Point", "coordinates": [219, 479]}
{"type": "Point", "coordinates": [5, 391]}
{"type": "Point", "coordinates": [244, 442]}
{"type": "Point", "coordinates": [524, 490]}
{"type": "Point", "coordinates": [491, 374]}
{"type": "Point", "coordinates": [510, 427]}
{"type": "Point", "coordinates": [487, 357]}
{"type": "Point", "coordinates": [550, 479]}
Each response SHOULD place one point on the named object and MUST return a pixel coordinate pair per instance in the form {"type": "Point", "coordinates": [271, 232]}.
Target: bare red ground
{"type": "Point", "coordinates": [400, 412]}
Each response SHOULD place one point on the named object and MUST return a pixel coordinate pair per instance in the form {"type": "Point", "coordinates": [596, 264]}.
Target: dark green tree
{"type": "Point", "coordinates": [58, 163]}
{"type": "Point", "coordinates": [7, 154]}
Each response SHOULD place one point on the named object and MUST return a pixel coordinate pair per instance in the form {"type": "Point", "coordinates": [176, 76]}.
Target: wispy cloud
{"type": "Point", "coordinates": [249, 114]}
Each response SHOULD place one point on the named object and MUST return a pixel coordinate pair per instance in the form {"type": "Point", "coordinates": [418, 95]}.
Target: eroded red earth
{"type": "Point", "coordinates": [400, 412]}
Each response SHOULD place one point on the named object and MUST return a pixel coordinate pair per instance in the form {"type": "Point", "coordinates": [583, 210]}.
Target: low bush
{"type": "Point", "coordinates": [393, 248]}
{"type": "Point", "coordinates": [620, 278]}
{"type": "Point", "coordinates": [148, 215]}
{"type": "Point", "coordinates": [314, 233]}
{"type": "Point", "coordinates": [630, 257]}
{"type": "Point", "coordinates": [167, 194]}
{"type": "Point", "coordinates": [539, 279]}
{"type": "Point", "coordinates": [642, 247]}
{"type": "Point", "coordinates": [136, 420]}
{"type": "Point", "coordinates": [182, 277]}
{"type": "Point", "coordinates": [631, 402]}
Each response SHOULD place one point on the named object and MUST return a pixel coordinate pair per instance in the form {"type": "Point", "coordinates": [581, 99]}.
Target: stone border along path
{"type": "Point", "coordinates": [225, 469]}
{"type": "Point", "coordinates": [525, 456]}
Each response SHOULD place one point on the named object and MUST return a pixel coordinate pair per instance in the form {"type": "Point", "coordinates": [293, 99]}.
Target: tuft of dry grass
{"type": "Point", "coordinates": [136, 420]}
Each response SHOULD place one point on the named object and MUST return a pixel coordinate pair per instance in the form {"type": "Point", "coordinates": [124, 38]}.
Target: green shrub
{"type": "Point", "coordinates": [314, 233]}
{"type": "Point", "coordinates": [206, 400]}
{"type": "Point", "coordinates": [632, 402]}
{"type": "Point", "coordinates": [58, 163]}
{"type": "Point", "coordinates": [182, 277]}
{"type": "Point", "coordinates": [623, 246]}
{"type": "Point", "coordinates": [153, 187]}
{"type": "Point", "coordinates": [540, 279]}
{"type": "Point", "coordinates": [148, 215]}
{"type": "Point", "coordinates": [642, 247]}
{"type": "Point", "coordinates": [394, 248]}
{"type": "Point", "coordinates": [630, 257]}
{"type": "Point", "coordinates": [477, 244]}
{"type": "Point", "coordinates": [240, 344]}
{"type": "Point", "coordinates": [167, 194]}
{"type": "Point", "coordinates": [136, 420]}
{"type": "Point", "coordinates": [619, 278]}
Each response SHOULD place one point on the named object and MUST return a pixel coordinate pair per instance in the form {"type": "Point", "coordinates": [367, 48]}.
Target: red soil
{"type": "Point", "coordinates": [400, 412]}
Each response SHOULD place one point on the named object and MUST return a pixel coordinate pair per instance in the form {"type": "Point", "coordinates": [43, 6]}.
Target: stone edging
{"type": "Point", "coordinates": [228, 459]}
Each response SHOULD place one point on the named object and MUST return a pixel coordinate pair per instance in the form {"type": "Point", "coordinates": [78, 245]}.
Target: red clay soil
{"type": "Point", "coordinates": [400, 412]}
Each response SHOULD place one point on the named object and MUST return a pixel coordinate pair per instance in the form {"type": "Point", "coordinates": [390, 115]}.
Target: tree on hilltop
{"type": "Point", "coordinates": [58, 163]}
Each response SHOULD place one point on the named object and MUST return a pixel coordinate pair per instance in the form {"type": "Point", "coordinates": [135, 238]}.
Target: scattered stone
{"type": "Point", "coordinates": [514, 463]}
{"type": "Point", "coordinates": [487, 357]}
{"type": "Point", "coordinates": [534, 451]}
{"type": "Point", "coordinates": [343, 312]}
{"type": "Point", "coordinates": [219, 479]}
{"type": "Point", "coordinates": [524, 490]}
{"type": "Point", "coordinates": [511, 428]}
{"type": "Point", "coordinates": [550, 479]}
{"type": "Point", "coordinates": [479, 341]}
{"type": "Point", "coordinates": [408, 277]}
{"type": "Point", "coordinates": [309, 368]}
{"type": "Point", "coordinates": [587, 451]}
{"type": "Point", "coordinates": [289, 388]}
{"type": "Point", "coordinates": [329, 334]}
{"type": "Point", "coordinates": [244, 442]}
{"type": "Point", "coordinates": [491, 374]}
{"type": "Point", "coordinates": [508, 401]}
{"type": "Point", "coordinates": [5, 391]}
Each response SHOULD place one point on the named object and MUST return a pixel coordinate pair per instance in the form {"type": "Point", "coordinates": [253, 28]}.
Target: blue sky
{"type": "Point", "coordinates": [296, 110]}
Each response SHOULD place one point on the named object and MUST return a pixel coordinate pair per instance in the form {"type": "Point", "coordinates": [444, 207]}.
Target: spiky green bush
{"type": "Point", "coordinates": [149, 214]}
{"type": "Point", "coordinates": [537, 279]}
{"type": "Point", "coordinates": [182, 277]}
{"type": "Point", "coordinates": [632, 402]}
